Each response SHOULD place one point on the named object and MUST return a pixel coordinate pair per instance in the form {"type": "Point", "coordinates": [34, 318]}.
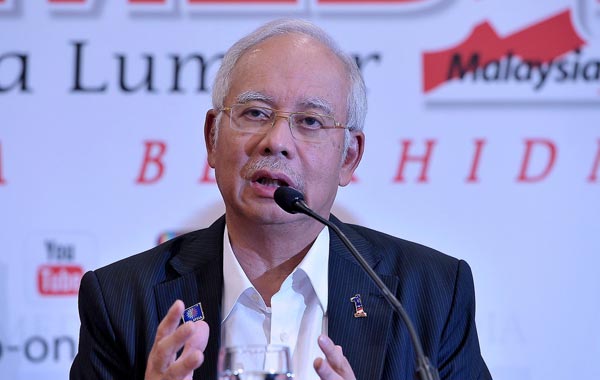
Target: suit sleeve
{"type": "Point", "coordinates": [99, 355]}
{"type": "Point", "coordinates": [459, 356]}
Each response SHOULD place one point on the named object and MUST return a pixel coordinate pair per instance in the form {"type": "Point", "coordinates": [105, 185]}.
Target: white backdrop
{"type": "Point", "coordinates": [501, 167]}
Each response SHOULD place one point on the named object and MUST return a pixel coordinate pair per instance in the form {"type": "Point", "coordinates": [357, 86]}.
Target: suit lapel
{"type": "Point", "coordinates": [199, 268]}
{"type": "Point", "coordinates": [346, 279]}
{"type": "Point", "coordinates": [198, 264]}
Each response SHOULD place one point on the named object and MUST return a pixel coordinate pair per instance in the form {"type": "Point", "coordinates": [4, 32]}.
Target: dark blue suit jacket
{"type": "Point", "coordinates": [121, 305]}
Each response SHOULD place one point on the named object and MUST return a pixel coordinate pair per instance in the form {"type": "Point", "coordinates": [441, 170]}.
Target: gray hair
{"type": "Point", "coordinates": [357, 97]}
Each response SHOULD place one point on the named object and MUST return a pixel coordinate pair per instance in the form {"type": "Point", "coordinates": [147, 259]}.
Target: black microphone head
{"type": "Point", "coordinates": [287, 198]}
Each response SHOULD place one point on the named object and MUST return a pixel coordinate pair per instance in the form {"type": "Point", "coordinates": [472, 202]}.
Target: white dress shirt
{"type": "Point", "coordinates": [298, 312]}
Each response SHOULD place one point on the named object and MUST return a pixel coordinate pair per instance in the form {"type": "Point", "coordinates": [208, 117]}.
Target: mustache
{"type": "Point", "coordinates": [273, 164]}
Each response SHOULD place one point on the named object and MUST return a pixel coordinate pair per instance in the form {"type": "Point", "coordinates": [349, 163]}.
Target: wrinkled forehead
{"type": "Point", "coordinates": [291, 70]}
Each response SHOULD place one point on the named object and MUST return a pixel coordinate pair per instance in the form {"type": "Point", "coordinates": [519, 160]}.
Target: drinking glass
{"type": "Point", "coordinates": [255, 362]}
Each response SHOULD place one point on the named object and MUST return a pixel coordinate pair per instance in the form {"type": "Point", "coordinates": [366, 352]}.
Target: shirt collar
{"type": "Point", "coordinates": [235, 281]}
{"type": "Point", "coordinates": [315, 265]}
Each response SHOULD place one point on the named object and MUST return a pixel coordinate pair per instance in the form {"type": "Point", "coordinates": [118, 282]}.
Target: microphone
{"type": "Point", "coordinates": [292, 201]}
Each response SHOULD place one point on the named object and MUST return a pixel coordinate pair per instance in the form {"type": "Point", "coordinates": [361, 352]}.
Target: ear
{"type": "Point", "coordinates": [353, 157]}
{"type": "Point", "coordinates": [210, 125]}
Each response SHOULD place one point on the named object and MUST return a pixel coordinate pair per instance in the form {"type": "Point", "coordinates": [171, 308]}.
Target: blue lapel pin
{"type": "Point", "coordinates": [193, 313]}
{"type": "Point", "coordinates": [358, 306]}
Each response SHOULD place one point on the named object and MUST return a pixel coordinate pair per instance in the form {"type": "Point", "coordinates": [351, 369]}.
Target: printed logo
{"type": "Point", "coordinates": [59, 272]}
{"type": "Point", "coordinates": [59, 280]}
{"type": "Point", "coordinates": [542, 58]}
{"type": "Point", "coordinates": [193, 313]}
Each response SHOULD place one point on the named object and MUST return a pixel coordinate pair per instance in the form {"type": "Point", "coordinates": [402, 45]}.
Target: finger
{"type": "Point", "coordinates": [192, 356]}
{"type": "Point", "coordinates": [185, 365]}
{"type": "Point", "coordinates": [199, 339]}
{"type": "Point", "coordinates": [193, 336]}
{"type": "Point", "coordinates": [334, 358]}
{"type": "Point", "coordinates": [324, 370]}
{"type": "Point", "coordinates": [162, 354]}
{"type": "Point", "coordinates": [170, 321]}
{"type": "Point", "coordinates": [333, 354]}
{"type": "Point", "coordinates": [169, 345]}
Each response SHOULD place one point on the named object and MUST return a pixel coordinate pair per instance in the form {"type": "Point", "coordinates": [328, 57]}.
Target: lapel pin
{"type": "Point", "coordinates": [359, 313]}
{"type": "Point", "coordinates": [193, 313]}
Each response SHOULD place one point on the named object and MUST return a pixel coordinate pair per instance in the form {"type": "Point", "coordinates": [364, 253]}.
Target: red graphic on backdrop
{"type": "Point", "coordinates": [537, 163]}
{"type": "Point", "coordinates": [421, 159]}
{"type": "Point", "coordinates": [530, 144]}
{"type": "Point", "coordinates": [152, 161]}
{"type": "Point", "coordinates": [59, 280]}
{"type": "Point", "coordinates": [593, 177]}
{"type": "Point", "coordinates": [535, 45]}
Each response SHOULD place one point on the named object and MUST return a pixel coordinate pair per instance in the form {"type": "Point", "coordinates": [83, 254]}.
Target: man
{"type": "Point", "coordinates": [288, 110]}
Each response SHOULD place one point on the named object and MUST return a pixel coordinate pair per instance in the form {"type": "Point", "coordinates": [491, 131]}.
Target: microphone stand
{"type": "Point", "coordinates": [425, 370]}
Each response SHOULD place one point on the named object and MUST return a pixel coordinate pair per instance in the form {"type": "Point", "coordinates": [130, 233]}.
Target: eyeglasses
{"type": "Point", "coordinates": [305, 126]}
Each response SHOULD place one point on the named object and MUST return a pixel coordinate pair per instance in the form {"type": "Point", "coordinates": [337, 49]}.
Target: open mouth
{"type": "Point", "coordinates": [265, 181]}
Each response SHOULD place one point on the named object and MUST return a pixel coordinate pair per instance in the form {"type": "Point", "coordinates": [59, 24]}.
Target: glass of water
{"type": "Point", "coordinates": [255, 362]}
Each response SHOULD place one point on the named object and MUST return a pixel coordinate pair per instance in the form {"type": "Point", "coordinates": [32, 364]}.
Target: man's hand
{"type": "Point", "coordinates": [335, 366]}
{"type": "Point", "coordinates": [192, 336]}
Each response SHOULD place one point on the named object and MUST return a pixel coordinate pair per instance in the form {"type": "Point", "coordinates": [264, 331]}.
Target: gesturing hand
{"type": "Point", "coordinates": [335, 366]}
{"type": "Point", "coordinates": [192, 336]}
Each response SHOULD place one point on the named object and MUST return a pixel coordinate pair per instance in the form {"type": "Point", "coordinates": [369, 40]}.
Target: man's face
{"type": "Point", "coordinates": [290, 73]}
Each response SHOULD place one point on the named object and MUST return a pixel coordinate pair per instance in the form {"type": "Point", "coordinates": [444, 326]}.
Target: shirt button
{"type": "Point", "coordinates": [254, 297]}
{"type": "Point", "coordinates": [284, 337]}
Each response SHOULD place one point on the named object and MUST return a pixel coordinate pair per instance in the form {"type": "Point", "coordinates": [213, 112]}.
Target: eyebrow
{"type": "Point", "coordinates": [319, 103]}
{"type": "Point", "coordinates": [253, 96]}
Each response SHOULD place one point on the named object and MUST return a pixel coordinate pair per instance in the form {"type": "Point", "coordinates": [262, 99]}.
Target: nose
{"type": "Point", "coordinates": [278, 140]}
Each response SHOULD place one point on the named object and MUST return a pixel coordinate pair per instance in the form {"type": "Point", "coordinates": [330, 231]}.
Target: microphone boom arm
{"type": "Point", "coordinates": [424, 368]}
